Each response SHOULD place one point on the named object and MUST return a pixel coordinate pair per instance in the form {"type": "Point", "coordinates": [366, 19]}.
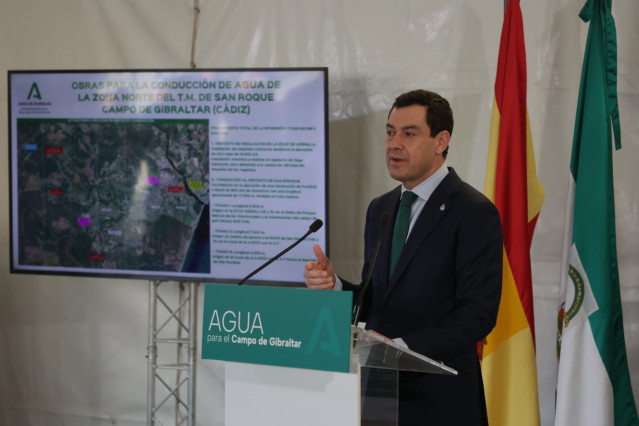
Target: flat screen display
{"type": "Point", "coordinates": [196, 175]}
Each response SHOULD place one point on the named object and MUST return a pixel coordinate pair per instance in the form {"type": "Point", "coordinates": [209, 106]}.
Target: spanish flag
{"type": "Point", "coordinates": [508, 353]}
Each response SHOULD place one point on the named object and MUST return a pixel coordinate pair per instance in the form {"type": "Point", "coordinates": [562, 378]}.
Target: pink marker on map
{"type": "Point", "coordinates": [152, 180]}
{"type": "Point", "coordinates": [84, 221]}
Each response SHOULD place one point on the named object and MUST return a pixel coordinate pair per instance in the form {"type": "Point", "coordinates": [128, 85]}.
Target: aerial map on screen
{"type": "Point", "coordinates": [116, 195]}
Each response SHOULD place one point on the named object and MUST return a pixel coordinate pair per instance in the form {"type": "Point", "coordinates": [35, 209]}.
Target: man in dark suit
{"type": "Point", "coordinates": [443, 295]}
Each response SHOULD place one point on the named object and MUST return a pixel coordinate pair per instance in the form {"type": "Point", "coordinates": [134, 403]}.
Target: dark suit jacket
{"type": "Point", "coordinates": [442, 299]}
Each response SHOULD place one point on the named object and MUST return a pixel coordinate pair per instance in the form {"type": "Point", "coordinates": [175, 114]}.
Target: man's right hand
{"type": "Point", "coordinates": [319, 275]}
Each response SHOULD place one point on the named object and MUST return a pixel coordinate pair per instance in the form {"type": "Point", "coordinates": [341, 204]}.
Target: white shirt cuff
{"type": "Point", "coordinates": [338, 284]}
{"type": "Point", "coordinates": [401, 343]}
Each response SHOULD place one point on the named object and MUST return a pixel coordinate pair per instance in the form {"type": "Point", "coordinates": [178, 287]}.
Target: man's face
{"type": "Point", "coordinates": [412, 155]}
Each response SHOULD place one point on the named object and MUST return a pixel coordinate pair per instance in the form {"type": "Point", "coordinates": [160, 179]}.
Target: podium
{"type": "Point", "coordinates": [375, 351]}
{"type": "Point", "coordinates": [293, 358]}
{"type": "Point", "coordinates": [367, 395]}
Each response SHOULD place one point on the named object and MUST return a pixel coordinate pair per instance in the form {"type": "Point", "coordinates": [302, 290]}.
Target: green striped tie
{"type": "Point", "coordinates": [401, 229]}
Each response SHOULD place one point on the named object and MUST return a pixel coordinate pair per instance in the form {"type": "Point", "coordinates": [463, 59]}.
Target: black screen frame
{"type": "Point", "coordinates": [159, 275]}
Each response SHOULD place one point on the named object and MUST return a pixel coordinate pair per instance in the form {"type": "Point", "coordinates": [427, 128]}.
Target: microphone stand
{"type": "Point", "coordinates": [317, 224]}
{"type": "Point", "coordinates": [360, 297]}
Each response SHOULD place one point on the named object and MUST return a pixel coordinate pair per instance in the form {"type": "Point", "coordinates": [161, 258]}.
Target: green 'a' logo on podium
{"type": "Point", "coordinates": [325, 321]}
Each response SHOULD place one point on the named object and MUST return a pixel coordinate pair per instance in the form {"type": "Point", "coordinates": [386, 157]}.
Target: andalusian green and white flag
{"type": "Point", "coordinates": [593, 384]}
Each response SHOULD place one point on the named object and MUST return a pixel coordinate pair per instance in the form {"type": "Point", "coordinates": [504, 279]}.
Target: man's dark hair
{"type": "Point", "coordinates": [439, 116]}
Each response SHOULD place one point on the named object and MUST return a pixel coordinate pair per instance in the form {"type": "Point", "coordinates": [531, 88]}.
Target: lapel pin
{"type": "Point", "coordinates": [442, 207]}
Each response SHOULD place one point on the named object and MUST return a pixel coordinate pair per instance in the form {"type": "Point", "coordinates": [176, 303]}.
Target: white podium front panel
{"type": "Point", "coordinates": [280, 396]}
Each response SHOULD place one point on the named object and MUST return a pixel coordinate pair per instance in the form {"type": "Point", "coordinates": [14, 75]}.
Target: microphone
{"type": "Point", "coordinates": [316, 225]}
{"type": "Point", "coordinates": [360, 298]}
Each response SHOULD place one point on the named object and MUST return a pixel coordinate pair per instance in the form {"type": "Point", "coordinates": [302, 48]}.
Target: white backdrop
{"type": "Point", "coordinates": [72, 350]}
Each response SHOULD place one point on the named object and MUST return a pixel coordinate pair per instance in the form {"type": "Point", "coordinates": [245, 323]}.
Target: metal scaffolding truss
{"type": "Point", "coordinates": [172, 353]}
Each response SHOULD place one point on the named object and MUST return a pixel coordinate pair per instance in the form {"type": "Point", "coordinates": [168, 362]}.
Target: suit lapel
{"type": "Point", "coordinates": [437, 206]}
